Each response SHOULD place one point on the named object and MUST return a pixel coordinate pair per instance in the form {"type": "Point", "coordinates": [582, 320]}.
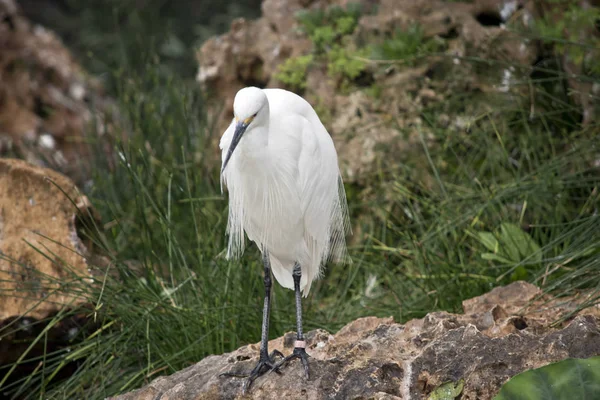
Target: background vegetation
{"type": "Point", "coordinates": [511, 196]}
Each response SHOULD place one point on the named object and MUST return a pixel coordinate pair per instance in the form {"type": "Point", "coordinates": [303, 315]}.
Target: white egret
{"type": "Point", "coordinates": [286, 193]}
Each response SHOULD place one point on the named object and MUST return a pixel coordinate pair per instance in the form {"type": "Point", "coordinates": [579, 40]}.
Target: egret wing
{"type": "Point", "coordinates": [322, 198]}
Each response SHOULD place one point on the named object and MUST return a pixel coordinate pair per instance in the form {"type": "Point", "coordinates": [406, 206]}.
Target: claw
{"type": "Point", "coordinates": [266, 363]}
{"type": "Point", "coordinates": [276, 353]}
{"type": "Point", "coordinates": [299, 352]}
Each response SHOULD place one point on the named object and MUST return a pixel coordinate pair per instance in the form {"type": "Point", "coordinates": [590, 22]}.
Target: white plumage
{"type": "Point", "coordinates": [285, 189]}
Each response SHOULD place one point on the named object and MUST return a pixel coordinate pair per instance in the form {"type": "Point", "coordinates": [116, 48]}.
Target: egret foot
{"type": "Point", "coordinates": [299, 352]}
{"type": "Point", "coordinates": [266, 363]}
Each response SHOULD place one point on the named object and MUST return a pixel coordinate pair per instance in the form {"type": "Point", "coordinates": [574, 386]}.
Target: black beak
{"type": "Point", "coordinates": [240, 128]}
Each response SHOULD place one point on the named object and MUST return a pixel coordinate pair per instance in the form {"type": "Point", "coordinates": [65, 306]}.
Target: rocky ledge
{"type": "Point", "coordinates": [500, 334]}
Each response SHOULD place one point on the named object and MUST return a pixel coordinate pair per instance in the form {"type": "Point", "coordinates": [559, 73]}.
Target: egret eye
{"type": "Point", "coordinates": [255, 114]}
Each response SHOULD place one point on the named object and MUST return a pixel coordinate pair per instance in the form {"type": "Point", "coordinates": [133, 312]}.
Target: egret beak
{"type": "Point", "coordinates": [240, 128]}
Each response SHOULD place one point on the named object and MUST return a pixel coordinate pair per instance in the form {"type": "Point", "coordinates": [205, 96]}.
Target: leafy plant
{"type": "Point", "coordinates": [345, 19]}
{"type": "Point", "coordinates": [568, 379]}
{"type": "Point", "coordinates": [323, 38]}
{"type": "Point", "coordinates": [328, 30]}
{"type": "Point", "coordinates": [293, 71]}
{"type": "Point", "coordinates": [405, 45]}
{"type": "Point", "coordinates": [517, 245]}
{"type": "Point", "coordinates": [344, 64]}
{"type": "Point", "coordinates": [327, 27]}
{"type": "Point", "coordinates": [510, 245]}
{"type": "Point", "coordinates": [447, 391]}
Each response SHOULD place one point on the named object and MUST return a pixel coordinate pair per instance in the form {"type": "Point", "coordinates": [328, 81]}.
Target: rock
{"type": "Point", "coordinates": [236, 59]}
{"type": "Point", "coordinates": [46, 101]}
{"type": "Point", "coordinates": [360, 125]}
{"type": "Point", "coordinates": [36, 215]}
{"type": "Point", "coordinates": [41, 209]}
{"type": "Point", "coordinates": [376, 358]}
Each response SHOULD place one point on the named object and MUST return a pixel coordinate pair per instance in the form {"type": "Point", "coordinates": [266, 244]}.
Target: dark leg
{"type": "Point", "coordinates": [300, 345]}
{"type": "Point", "coordinates": [265, 362]}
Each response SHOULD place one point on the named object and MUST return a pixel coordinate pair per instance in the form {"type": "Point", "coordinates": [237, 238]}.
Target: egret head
{"type": "Point", "coordinates": [250, 109]}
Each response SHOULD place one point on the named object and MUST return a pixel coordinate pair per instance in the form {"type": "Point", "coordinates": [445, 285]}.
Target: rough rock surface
{"type": "Point", "coordinates": [46, 101]}
{"type": "Point", "coordinates": [36, 215]}
{"type": "Point", "coordinates": [501, 334]}
{"type": "Point", "coordinates": [360, 124]}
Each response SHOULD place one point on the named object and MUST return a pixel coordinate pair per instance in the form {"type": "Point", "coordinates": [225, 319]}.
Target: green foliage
{"type": "Point", "coordinates": [341, 21]}
{"type": "Point", "coordinates": [293, 71]}
{"type": "Point", "coordinates": [323, 38]}
{"type": "Point", "coordinates": [511, 245]}
{"type": "Point", "coordinates": [328, 30]}
{"type": "Point", "coordinates": [345, 25]}
{"type": "Point", "coordinates": [405, 45]}
{"type": "Point", "coordinates": [568, 379]}
{"type": "Point", "coordinates": [447, 391]}
{"type": "Point", "coordinates": [327, 27]}
{"type": "Point", "coordinates": [345, 64]}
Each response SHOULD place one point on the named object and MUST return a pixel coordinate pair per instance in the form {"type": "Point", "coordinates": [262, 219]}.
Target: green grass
{"type": "Point", "coordinates": [424, 231]}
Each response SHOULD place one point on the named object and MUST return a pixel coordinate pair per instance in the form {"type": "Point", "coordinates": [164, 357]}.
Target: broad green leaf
{"type": "Point", "coordinates": [488, 240]}
{"type": "Point", "coordinates": [517, 244]}
{"type": "Point", "coordinates": [447, 391]}
{"type": "Point", "coordinates": [495, 257]}
{"type": "Point", "coordinates": [568, 379]}
{"type": "Point", "coordinates": [519, 274]}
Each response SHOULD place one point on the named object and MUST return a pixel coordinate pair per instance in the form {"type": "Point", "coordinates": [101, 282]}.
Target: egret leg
{"type": "Point", "coordinates": [266, 361]}
{"type": "Point", "coordinates": [300, 345]}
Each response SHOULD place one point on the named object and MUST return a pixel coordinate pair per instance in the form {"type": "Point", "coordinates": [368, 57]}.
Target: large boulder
{"type": "Point", "coordinates": [501, 334]}
{"type": "Point", "coordinates": [369, 129]}
{"type": "Point", "coordinates": [42, 250]}
{"type": "Point", "coordinates": [361, 124]}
